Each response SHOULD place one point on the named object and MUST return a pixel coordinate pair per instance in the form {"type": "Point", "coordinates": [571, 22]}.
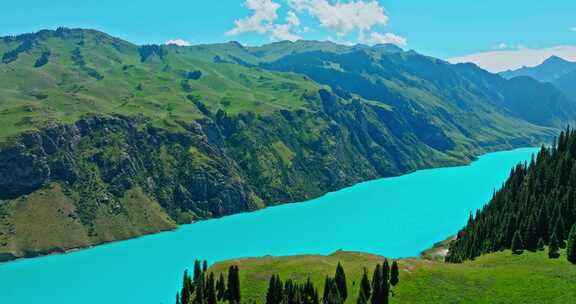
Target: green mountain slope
{"type": "Point", "coordinates": [462, 95]}
{"type": "Point", "coordinates": [495, 278]}
{"type": "Point", "coordinates": [96, 126]}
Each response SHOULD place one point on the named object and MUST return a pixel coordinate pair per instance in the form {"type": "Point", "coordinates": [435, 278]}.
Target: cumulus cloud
{"type": "Point", "coordinates": [292, 19]}
{"type": "Point", "coordinates": [178, 42]}
{"type": "Point", "coordinates": [283, 32]}
{"type": "Point", "coordinates": [377, 38]}
{"type": "Point", "coordinates": [498, 61]}
{"type": "Point", "coordinates": [343, 17]}
{"type": "Point", "coordinates": [261, 21]}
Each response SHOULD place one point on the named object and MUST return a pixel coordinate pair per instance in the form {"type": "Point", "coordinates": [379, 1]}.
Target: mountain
{"type": "Point", "coordinates": [550, 70]}
{"type": "Point", "coordinates": [102, 140]}
{"type": "Point", "coordinates": [555, 70]}
{"type": "Point", "coordinates": [420, 83]}
{"type": "Point", "coordinates": [567, 84]}
{"type": "Point", "coordinates": [535, 207]}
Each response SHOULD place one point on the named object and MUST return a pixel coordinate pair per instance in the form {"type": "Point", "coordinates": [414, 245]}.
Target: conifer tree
{"type": "Point", "coordinates": [340, 278]}
{"type": "Point", "coordinates": [331, 294]}
{"type": "Point", "coordinates": [553, 247]}
{"type": "Point", "coordinates": [571, 247]}
{"type": "Point", "coordinates": [204, 266]}
{"type": "Point", "coordinates": [394, 274]}
{"type": "Point", "coordinates": [531, 237]}
{"type": "Point", "coordinates": [177, 298]}
{"type": "Point", "coordinates": [271, 289]}
{"type": "Point", "coordinates": [376, 297]}
{"type": "Point", "coordinates": [199, 294]}
{"type": "Point", "coordinates": [365, 285]}
{"type": "Point", "coordinates": [220, 288]}
{"type": "Point", "coordinates": [362, 297]}
{"type": "Point", "coordinates": [187, 288]}
{"type": "Point", "coordinates": [517, 245]}
{"type": "Point", "coordinates": [385, 288]}
{"type": "Point", "coordinates": [233, 291]}
{"type": "Point", "coordinates": [559, 230]}
{"type": "Point", "coordinates": [210, 290]}
{"type": "Point", "coordinates": [541, 244]}
{"type": "Point", "coordinates": [197, 271]}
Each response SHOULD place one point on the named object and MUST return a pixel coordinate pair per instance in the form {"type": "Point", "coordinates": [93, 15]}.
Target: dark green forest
{"type": "Point", "coordinates": [535, 207]}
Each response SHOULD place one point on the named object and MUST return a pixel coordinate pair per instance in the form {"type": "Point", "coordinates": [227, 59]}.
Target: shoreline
{"type": "Point", "coordinates": [61, 251]}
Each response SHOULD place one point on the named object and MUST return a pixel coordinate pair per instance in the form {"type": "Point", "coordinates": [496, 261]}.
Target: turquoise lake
{"type": "Point", "coordinates": [394, 217]}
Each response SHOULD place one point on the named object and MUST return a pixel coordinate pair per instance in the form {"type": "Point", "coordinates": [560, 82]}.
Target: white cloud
{"type": "Point", "coordinates": [261, 21]}
{"type": "Point", "coordinates": [292, 19]}
{"type": "Point", "coordinates": [377, 38]}
{"type": "Point", "coordinates": [343, 17]}
{"type": "Point", "coordinates": [178, 42]}
{"type": "Point", "coordinates": [498, 61]}
{"type": "Point", "coordinates": [573, 29]}
{"type": "Point", "coordinates": [283, 32]}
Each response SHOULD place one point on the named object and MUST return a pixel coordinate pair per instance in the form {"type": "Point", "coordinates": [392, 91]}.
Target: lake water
{"type": "Point", "coordinates": [394, 217]}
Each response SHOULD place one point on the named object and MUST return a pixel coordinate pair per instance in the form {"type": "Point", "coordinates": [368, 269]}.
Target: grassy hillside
{"type": "Point", "coordinates": [90, 72]}
{"type": "Point", "coordinates": [496, 278]}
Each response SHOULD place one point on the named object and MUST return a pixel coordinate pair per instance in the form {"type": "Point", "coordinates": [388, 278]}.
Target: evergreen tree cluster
{"type": "Point", "coordinates": [535, 207]}
{"type": "Point", "coordinates": [290, 292]}
{"type": "Point", "coordinates": [202, 288]}
{"type": "Point", "coordinates": [378, 291]}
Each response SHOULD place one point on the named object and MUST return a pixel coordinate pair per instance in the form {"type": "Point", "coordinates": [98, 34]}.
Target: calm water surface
{"type": "Point", "coordinates": [394, 217]}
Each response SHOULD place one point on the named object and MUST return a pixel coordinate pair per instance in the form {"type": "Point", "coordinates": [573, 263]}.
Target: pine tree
{"type": "Point", "coordinates": [362, 297]}
{"type": "Point", "coordinates": [340, 278]}
{"type": "Point", "coordinates": [517, 245]}
{"type": "Point", "coordinates": [559, 230]}
{"type": "Point", "coordinates": [197, 271]}
{"type": "Point", "coordinates": [270, 293]}
{"type": "Point", "coordinates": [365, 285]}
{"type": "Point", "coordinates": [177, 298]}
{"type": "Point", "coordinates": [553, 247]}
{"type": "Point", "coordinates": [204, 266]}
{"type": "Point", "coordinates": [394, 274]}
{"type": "Point", "coordinates": [377, 286]}
{"type": "Point", "coordinates": [385, 282]}
{"type": "Point", "coordinates": [331, 294]}
{"type": "Point", "coordinates": [531, 235]}
{"type": "Point", "coordinates": [210, 290]}
{"type": "Point", "coordinates": [571, 247]}
{"type": "Point", "coordinates": [187, 289]}
{"type": "Point", "coordinates": [233, 292]}
{"type": "Point", "coordinates": [541, 244]}
{"type": "Point", "coordinates": [220, 288]}
{"type": "Point", "coordinates": [199, 294]}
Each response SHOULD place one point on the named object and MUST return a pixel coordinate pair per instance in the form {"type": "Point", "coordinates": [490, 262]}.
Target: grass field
{"type": "Point", "coordinates": [495, 278]}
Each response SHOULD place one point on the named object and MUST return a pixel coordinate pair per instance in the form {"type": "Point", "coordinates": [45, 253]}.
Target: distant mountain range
{"type": "Point", "coordinates": [101, 139]}
{"type": "Point", "coordinates": [560, 72]}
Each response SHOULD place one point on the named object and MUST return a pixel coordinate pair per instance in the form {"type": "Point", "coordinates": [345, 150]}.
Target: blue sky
{"type": "Point", "coordinates": [441, 28]}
